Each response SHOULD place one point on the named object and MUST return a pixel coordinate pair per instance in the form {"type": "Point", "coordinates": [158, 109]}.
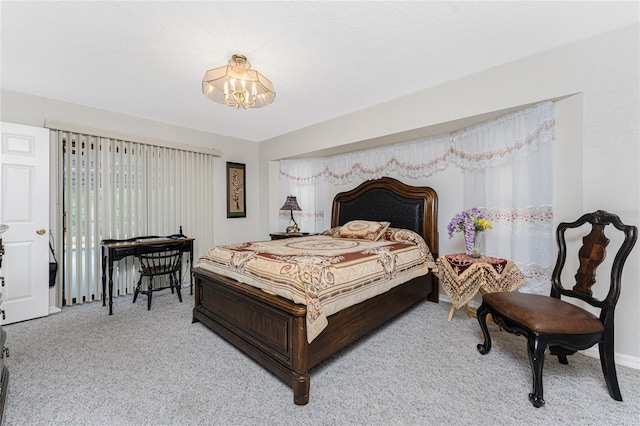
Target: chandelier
{"type": "Point", "coordinates": [237, 85]}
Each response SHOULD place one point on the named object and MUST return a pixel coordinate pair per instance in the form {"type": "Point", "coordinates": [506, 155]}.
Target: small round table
{"type": "Point", "coordinates": [462, 276]}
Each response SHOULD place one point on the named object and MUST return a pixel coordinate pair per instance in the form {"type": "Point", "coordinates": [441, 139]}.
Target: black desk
{"type": "Point", "coordinates": [115, 250]}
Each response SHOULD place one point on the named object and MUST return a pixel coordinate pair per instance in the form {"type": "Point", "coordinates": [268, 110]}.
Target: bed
{"type": "Point", "coordinates": [273, 330]}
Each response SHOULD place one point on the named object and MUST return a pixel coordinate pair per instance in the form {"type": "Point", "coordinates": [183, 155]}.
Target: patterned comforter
{"type": "Point", "coordinates": [325, 273]}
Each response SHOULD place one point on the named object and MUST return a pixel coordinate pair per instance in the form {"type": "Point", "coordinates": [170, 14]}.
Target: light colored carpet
{"type": "Point", "coordinates": [139, 367]}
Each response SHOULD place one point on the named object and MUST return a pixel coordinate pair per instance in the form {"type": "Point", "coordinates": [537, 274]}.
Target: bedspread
{"type": "Point", "coordinates": [325, 273]}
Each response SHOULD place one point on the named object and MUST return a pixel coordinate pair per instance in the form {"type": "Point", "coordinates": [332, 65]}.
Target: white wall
{"type": "Point", "coordinates": [595, 83]}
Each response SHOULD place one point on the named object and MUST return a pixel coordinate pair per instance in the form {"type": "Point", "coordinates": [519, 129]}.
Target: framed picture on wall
{"type": "Point", "coordinates": [236, 193]}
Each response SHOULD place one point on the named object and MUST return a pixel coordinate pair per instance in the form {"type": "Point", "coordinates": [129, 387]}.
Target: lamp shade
{"type": "Point", "coordinates": [291, 204]}
{"type": "Point", "coordinates": [237, 85]}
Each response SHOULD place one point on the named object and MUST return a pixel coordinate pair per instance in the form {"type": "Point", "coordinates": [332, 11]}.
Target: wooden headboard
{"type": "Point", "coordinates": [388, 199]}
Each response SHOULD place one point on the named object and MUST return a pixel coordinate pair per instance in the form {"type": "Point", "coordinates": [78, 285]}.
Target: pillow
{"type": "Point", "coordinates": [331, 232]}
{"type": "Point", "coordinates": [409, 237]}
{"type": "Point", "coordinates": [362, 230]}
{"type": "Point", "coordinates": [405, 236]}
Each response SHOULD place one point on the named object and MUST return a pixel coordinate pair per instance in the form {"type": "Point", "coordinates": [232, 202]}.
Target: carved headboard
{"type": "Point", "coordinates": [388, 199]}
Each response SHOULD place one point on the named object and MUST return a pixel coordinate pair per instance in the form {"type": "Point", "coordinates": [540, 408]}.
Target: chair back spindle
{"type": "Point", "coordinates": [591, 255]}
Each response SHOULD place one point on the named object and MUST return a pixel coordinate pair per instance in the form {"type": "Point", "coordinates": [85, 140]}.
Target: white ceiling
{"type": "Point", "coordinates": [326, 59]}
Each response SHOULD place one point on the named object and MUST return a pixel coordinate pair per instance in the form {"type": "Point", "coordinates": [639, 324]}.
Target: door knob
{"type": "Point", "coordinates": [41, 231]}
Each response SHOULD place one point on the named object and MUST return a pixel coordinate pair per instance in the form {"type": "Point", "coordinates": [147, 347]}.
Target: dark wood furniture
{"type": "Point", "coordinates": [4, 370]}
{"type": "Point", "coordinates": [283, 235]}
{"type": "Point", "coordinates": [272, 330]}
{"type": "Point", "coordinates": [160, 260]}
{"type": "Point", "coordinates": [562, 326]}
{"type": "Point", "coordinates": [115, 250]}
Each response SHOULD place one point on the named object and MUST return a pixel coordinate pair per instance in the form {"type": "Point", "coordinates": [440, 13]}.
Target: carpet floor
{"type": "Point", "coordinates": [138, 367]}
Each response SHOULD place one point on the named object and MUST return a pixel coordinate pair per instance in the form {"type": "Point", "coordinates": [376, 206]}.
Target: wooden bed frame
{"type": "Point", "coordinates": [272, 330]}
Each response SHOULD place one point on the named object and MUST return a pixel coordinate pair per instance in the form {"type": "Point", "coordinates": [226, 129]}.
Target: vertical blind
{"type": "Point", "coordinates": [117, 189]}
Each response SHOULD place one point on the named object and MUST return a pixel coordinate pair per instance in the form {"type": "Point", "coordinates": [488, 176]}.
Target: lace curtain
{"type": "Point", "coordinates": [507, 172]}
{"type": "Point", "coordinates": [307, 185]}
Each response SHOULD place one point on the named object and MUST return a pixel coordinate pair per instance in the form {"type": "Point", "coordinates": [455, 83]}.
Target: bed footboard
{"type": "Point", "coordinates": [272, 330]}
{"type": "Point", "coordinates": [269, 329]}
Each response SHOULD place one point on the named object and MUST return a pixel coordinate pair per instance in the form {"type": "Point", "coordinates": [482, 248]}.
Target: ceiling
{"type": "Point", "coordinates": [326, 59]}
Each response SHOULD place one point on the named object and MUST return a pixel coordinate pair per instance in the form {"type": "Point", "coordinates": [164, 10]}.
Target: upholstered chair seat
{"type": "Point", "coordinates": [542, 314]}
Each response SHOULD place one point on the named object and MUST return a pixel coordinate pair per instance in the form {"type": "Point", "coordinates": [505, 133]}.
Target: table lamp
{"type": "Point", "coordinates": [291, 204]}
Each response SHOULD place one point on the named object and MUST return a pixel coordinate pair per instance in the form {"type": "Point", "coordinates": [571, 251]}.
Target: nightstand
{"type": "Point", "coordinates": [283, 235]}
{"type": "Point", "coordinates": [463, 276]}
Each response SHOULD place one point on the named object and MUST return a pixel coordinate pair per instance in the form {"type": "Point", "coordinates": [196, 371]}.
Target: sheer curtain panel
{"type": "Point", "coordinates": [508, 174]}
{"type": "Point", "coordinates": [304, 181]}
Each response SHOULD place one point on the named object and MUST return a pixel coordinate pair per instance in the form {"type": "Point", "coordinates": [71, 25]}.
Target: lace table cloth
{"type": "Point", "coordinates": [463, 276]}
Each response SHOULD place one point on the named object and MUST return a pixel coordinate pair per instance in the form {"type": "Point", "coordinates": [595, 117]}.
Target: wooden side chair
{"type": "Point", "coordinates": [559, 325]}
{"type": "Point", "coordinates": [160, 260]}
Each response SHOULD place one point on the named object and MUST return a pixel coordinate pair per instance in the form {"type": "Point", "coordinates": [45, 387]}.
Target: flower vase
{"type": "Point", "coordinates": [478, 242]}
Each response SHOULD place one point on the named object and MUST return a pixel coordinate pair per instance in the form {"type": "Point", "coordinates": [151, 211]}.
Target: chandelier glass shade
{"type": "Point", "coordinates": [237, 85]}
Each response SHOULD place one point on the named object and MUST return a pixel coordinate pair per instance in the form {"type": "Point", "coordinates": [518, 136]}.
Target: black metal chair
{"type": "Point", "coordinates": [562, 326]}
{"type": "Point", "coordinates": [160, 260]}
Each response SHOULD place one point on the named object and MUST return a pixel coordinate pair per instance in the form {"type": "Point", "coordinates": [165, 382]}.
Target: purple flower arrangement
{"type": "Point", "coordinates": [471, 222]}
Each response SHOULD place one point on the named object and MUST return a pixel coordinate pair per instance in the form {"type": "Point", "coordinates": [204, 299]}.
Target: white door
{"type": "Point", "coordinates": [24, 207]}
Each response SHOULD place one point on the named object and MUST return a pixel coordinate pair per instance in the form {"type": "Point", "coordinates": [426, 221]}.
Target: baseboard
{"type": "Point", "coordinates": [54, 310]}
{"type": "Point", "coordinates": [621, 359]}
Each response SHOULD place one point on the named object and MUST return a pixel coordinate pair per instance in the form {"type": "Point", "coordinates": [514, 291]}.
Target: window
{"type": "Point", "coordinates": [115, 189]}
